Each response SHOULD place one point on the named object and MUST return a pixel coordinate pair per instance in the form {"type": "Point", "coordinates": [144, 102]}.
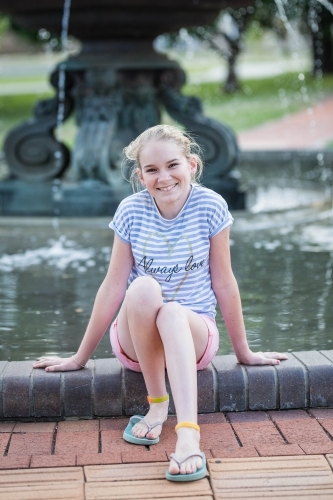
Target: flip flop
{"type": "Point", "coordinates": [130, 438]}
{"type": "Point", "coordinates": [194, 476]}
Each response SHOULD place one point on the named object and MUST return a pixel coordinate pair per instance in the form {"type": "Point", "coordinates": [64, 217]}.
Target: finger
{"type": "Point", "coordinates": [270, 361]}
{"type": "Point", "coordinates": [45, 362]}
{"type": "Point", "coordinates": [56, 368]}
{"type": "Point", "coordinates": [275, 355]}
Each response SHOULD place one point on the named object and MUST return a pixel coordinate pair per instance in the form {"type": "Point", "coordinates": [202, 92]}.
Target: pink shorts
{"type": "Point", "coordinates": [211, 349]}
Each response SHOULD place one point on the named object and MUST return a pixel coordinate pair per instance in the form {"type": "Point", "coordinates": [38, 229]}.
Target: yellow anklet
{"type": "Point", "coordinates": [187, 424]}
{"type": "Point", "coordinates": [158, 400]}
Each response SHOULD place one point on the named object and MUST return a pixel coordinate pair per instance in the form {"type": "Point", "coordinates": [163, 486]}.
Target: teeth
{"type": "Point", "coordinates": [167, 188]}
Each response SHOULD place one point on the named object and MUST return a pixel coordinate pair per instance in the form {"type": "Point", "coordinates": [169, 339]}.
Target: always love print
{"type": "Point", "coordinates": [157, 253]}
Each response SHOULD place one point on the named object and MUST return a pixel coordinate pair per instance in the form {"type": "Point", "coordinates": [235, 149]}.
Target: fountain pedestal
{"type": "Point", "coordinates": [117, 87]}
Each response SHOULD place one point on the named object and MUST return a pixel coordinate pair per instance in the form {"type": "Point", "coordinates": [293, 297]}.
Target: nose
{"type": "Point", "coordinates": [164, 175]}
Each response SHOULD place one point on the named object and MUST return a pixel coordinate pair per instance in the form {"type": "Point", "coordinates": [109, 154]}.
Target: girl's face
{"type": "Point", "coordinates": [167, 174]}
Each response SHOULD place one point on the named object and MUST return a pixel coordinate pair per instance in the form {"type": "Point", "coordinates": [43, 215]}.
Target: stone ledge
{"type": "Point", "coordinates": [106, 389]}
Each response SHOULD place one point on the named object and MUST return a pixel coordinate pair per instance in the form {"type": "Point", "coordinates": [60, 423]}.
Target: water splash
{"type": "Point", "coordinates": [322, 299]}
{"type": "Point", "coordinates": [327, 4]}
{"type": "Point", "coordinates": [292, 35]}
{"type": "Point", "coordinates": [62, 66]}
{"type": "Point", "coordinates": [61, 253]}
{"type": "Point", "coordinates": [316, 238]}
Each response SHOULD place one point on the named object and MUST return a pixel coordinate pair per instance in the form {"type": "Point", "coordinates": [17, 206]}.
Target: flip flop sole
{"type": "Point", "coordinates": [183, 478]}
{"type": "Point", "coordinates": [128, 436]}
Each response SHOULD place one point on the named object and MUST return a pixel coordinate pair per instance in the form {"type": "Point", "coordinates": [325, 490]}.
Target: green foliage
{"type": "Point", "coordinates": [261, 100]}
{"type": "Point", "coordinates": [4, 24]}
{"type": "Point", "coordinates": [16, 106]}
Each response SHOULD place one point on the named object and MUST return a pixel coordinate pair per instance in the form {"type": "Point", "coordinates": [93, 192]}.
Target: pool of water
{"type": "Point", "coordinates": [50, 270]}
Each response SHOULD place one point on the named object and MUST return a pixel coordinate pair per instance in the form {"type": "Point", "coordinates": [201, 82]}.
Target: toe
{"type": "Point", "coordinates": [173, 468]}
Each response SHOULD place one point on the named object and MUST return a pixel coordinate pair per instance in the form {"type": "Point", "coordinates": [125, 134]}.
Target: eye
{"type": "Point", "coordinates": [173, 164]}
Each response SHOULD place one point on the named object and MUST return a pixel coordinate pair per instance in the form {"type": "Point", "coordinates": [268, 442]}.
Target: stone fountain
{"type": "Point", "coordinates": [116, 87]}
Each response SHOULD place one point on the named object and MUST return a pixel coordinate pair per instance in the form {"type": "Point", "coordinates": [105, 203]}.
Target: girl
{"type": "Point", "coordinates": [170, 263]}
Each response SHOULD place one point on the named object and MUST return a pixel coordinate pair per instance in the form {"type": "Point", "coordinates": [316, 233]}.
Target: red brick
{"type": "Point", "coordinates": [217, 435]}
{"type": "Point", "coordinates": [317, 448]}
{"type": "Point", "coordinates": [321, 413]}
{"type": "Point", "coordinates": [211, 418]}
{"type": "Point", "coordinates": [251, 434]}
{"type": "Point", "coordinates": [44, 461]}
{"type": "Point", "coordinates": [171, 421]}
{"type": "Point", "coordinates": [32, 443]}
{"type": "Point", "coordinates": [14, 462]}
{"type": "Point", "coordinates": [276, 416]}
{"type": "Point", "coordinates": [78, 426]}
{"type": "Point", "coordinates": [303, 431]}
{"type": "Point", "coordinates": [143, 456]}
{"type": "Point", "coordinates": [279, 450]}
{"type": "Point", "coordinates": [234, 452]}
{"type": "Point", "coordinates": [34, 427]}
{"type": "Point", "coordinates": [114, 424]}
{"type": "Point", "coordinates": [328, 425]}
{"type": "Point", "coordinates": [6, 426]}
{"type": "Point", "coordinates": [76, 442]}
{"type": "Point", "coordinates": [247, 416]}
{"type": "Point", "coordinates": [168, 438]}
{"type": "Point", "coordinates": [4, 438]}
{"type": "Point", "coordinates": [292, 132]}
{"type": "Point", "coordinates": [98, 459]}
{"type": "Point", "coordinates": [113, 442]}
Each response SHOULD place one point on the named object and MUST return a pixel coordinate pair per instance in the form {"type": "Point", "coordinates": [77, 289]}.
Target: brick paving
{"type": "Point", "coordinates": [232, 434]}
{"type": "Point", "coordinates": [311, 128]}
{"type": "Point", "coordinates": [289, 453]}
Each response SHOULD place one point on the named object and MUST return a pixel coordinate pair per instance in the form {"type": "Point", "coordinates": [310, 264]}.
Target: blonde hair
{"type": "Point", "coordinates": [187, 144]}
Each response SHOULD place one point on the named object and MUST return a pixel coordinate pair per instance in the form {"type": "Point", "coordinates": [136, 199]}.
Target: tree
{"type": "Point", "coordinates": [313, 17]}
{"type": "Point", "coordinates": [226, 37]}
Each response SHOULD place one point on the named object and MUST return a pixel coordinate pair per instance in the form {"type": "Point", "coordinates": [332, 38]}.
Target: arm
{"type": "Point", "coordinates": [227, 295]}
{"type": "Point", "coordinates": [108, 299]}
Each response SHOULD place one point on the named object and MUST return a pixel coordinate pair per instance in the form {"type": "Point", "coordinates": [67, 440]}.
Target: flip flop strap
{"type": "Point", "coordinates": [179, 462]}
{"type": "Point", "coordinates": [150, 427]}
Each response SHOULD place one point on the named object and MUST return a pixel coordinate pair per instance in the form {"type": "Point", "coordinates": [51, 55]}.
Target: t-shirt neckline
{"type": "Point", "coordinates": [182, 209]}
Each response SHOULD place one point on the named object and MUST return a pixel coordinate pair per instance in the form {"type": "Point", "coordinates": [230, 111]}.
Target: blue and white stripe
{"type": "Point", "coordinates": [175, 252]}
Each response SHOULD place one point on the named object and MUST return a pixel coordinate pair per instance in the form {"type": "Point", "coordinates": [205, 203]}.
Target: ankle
{"type": "Point", "coordinates": [161, 399]}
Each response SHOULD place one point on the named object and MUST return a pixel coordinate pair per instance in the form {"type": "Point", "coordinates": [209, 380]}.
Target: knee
{"type": "Point", "coordinates": [169, 311]}
{"type": "Point", "coordinates": [144, 291]}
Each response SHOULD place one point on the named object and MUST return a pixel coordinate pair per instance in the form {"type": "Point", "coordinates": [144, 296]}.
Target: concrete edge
{"type": "Point", "coordinates": [106, 389]}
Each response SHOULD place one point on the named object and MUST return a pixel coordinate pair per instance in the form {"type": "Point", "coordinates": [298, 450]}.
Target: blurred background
{"type": "Point", "coordinates": [249, 67]}
{"type": "Point", "coordinates": [265, 70]}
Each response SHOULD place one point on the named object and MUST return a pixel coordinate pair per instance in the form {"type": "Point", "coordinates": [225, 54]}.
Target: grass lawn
{"type": "Point", "coordinates": [259, 101]}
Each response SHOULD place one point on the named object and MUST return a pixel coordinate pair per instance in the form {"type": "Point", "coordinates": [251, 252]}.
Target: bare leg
{"type": "Point", "coordinates": [140, 339]}
{"type": "Point", "coordinates": [174, 323]}
{"type": "Point", "coordinates": [150, 332]}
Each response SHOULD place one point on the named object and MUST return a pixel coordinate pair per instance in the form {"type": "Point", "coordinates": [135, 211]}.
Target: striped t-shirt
{"type": "Point", "coordinates": [175, 252]}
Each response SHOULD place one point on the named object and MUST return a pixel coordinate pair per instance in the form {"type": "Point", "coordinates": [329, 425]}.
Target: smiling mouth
{"type": "Point", "coordinates": [168, 188]}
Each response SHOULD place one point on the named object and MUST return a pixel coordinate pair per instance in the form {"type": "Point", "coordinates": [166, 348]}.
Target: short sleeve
{"type": "Point", "coordinates": [220, 217]}
{"type": "Point", "coordinates": [122, 222]}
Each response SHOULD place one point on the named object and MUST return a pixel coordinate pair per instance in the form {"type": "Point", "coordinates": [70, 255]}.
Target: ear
{"type": "Point", "coordinates": [193, 165]}
{"type": "Point", "coordinates": [140, 176]}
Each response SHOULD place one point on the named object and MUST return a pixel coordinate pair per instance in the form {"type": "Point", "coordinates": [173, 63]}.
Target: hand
{"type": "Point", "coordinates": [263, 358]}
{"type": "Point", "coordinates": [57, 364]}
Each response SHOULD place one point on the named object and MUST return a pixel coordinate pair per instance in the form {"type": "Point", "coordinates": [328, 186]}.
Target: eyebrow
{"type": "Point", "coordinates": [152, 165]}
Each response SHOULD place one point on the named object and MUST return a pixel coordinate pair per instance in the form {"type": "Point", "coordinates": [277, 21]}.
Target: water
{"type": "Point", "coordinates": [50, 270]}
{"type": "Point", "coordinates": [62, 67]}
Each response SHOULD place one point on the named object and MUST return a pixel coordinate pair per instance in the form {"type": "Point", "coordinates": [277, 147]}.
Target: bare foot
{"type": "Point", "coordinates": [188, 442]}
{"type": "Point", "coordinates": [158, 412]}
